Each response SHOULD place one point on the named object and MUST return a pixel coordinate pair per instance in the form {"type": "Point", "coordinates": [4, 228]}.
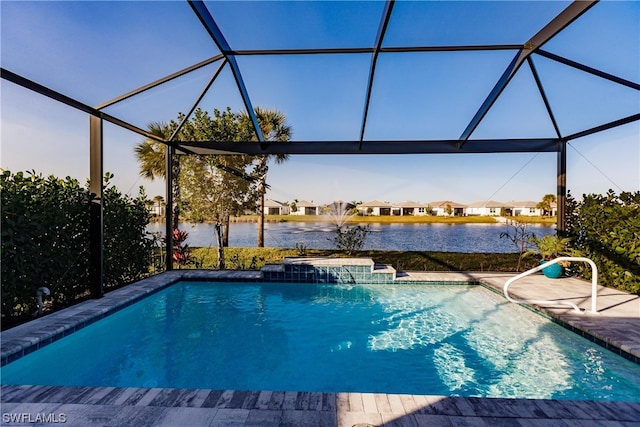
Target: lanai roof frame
{"type": "Point", "coordinates": [464, 144]}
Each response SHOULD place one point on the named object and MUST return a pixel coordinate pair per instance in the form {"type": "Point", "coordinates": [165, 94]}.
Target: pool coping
{"type": "Point", "coordinates": [113, 406]}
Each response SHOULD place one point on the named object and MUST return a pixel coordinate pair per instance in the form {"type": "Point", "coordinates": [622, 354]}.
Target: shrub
{"type": "Point", "coordinates": [181, 250]}
{"type": "Point", "coordinates": [127, 244]}
{"type": "Point", "coordinates": [45, 240]}
{"type": "Point", "coordinates": [607, 230]}
{"type": "Point", "coordinates": [301, 248]}
{"type": "Point", "coordinates": [520, 236]}
{"type": "Point", "coordinates": [349, 238]}
{"type": "Point", "coordinates": [45, 225]}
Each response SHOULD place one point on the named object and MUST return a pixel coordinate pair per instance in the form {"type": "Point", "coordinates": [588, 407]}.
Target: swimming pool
{"type": "Point", "coordinates": [417, 339]}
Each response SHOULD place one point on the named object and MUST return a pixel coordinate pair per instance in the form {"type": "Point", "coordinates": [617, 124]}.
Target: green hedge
{"type": "Point", "coordinates": [45, 240]}
{"type": "Point", "coordinates": [606, 228]}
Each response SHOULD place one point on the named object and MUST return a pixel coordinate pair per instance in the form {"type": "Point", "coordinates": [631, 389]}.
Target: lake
{"type": "Point", "coordinates": [407, 237]}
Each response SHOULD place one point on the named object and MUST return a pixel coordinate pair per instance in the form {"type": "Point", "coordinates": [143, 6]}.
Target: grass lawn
{"type": "Point", "coordinates": [254, 258]}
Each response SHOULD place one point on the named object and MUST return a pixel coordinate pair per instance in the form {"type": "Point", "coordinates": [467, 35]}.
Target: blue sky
{"type": "Point", "coordinates": [95, 51]}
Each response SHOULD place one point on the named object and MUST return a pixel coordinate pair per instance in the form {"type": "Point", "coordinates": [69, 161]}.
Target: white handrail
{"type": "Point", "coordinates": [594, 284]}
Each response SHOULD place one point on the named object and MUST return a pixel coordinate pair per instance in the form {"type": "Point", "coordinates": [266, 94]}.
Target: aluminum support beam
{"type": "Point", "coordinates": [168, 211]}
{"type": "Point", "coordinates": [370, 50]}
{"type": "Point", "coordinates": [212, 28]}
{"type": "Point", "coordinates": [561, 196]}
{"type": "Point", "coordinates": [386, 16]}
{"type": "Point", "coordinates": [197, 101]}
{"type": "Point", "coordinates": [606, 126]}
{"type": "Point", "coordinates": [160, 81]}
{"type": "Point", "coordinates": [235, 172]}
{"type": "Point", "coordinates": [559, 23]}
{"type": "Point", "coordinates": [506, 77]}
{"type": "Point", "coordinates": [374, 147]}
{"type": "Point", "coordinates": [588, 69]}
{"type": "Point", "coordinates": [96, 209]}
{"type": "Point", "coordinates": [564, 18]}
{"type": "Point", "coordinates": [547, 105]}
{"type": "Point", "coordinates": [64, 99]}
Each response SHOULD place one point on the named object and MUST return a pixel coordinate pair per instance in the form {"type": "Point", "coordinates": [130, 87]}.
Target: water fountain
{"type": "Point", "coordinates": [341, 212]}
{"type": "Point", "coordinates": [347, 238]}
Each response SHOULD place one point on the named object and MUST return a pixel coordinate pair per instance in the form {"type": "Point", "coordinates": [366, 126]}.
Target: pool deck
{"type": "Point", "coordinates": [617, 325]}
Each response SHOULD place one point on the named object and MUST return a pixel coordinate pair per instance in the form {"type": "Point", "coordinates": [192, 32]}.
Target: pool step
{"type": "Point", "coordinates": [328, 270]}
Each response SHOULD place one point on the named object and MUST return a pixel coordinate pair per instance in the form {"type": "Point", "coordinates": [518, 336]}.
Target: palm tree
{"type": "Point", "coordinates": [545, 204]}
{"type": "Point", "coordinates": [274, 129]}
{"type": "Point", "coordinates": [152, 155]}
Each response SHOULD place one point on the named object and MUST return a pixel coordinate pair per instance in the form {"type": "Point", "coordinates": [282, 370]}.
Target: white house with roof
{"type": "Point", "coordinates": [375, 208]}
{"type": "Point", "coordinates": [529, 208]}
{"type": "Point", "coordinates": [409, 208]}
{"type": "Point", "coordinates": [304, 207]}
{"type": "Point", "coordinates": [487, 208]}
{"type": "Point", "coordinates": [274, 207]}
{"type": "Point", "coordinates": [447, 208]}
{"type": "Point", "coordinates": [554, 210]}
{"type": "Point", "coordinates": [524, 208]}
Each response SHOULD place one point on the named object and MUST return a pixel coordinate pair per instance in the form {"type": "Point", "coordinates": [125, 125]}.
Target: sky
{"type": "Point", "coordinates": [95, 51]}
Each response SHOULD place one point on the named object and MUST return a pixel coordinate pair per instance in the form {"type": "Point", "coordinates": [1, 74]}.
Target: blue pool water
{"type": "Point", "coordinates": [418, 339]}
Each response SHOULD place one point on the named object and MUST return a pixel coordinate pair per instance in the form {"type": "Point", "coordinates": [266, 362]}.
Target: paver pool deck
{"type": "Point", "coordinates": [617, 325]}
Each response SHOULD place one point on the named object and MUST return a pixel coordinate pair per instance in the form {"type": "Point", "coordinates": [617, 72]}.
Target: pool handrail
{"type": "Point", "coordinates": [594, 284]}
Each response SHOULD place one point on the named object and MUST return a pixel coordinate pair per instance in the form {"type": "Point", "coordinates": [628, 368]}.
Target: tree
{"type": "Point", "coordinates": [217, 186]}
{"type": "Point", "coordinates": [211, 187]}
{"type": "Point", "coordinates": [545, 204]}
{"type": "Point", "coordinates": [274, 129]}
{"type": "Point", "coordinates": [520, 236]}
{"type": "Point", "coordinates": [215, 194]}
{"type": "Point", "coordinates": [214, 187]}
{"type": "Point", "coordinates": [152, 157]}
